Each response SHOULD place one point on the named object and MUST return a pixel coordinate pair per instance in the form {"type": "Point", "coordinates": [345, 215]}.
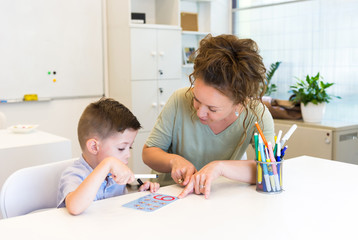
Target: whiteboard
{"type": "Point", "coordinates": [52, 48]}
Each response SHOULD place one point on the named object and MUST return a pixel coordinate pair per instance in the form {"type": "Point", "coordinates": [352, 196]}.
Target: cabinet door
{"type": "Point", "coordinates": [166, 89]}
{"type": "Point", "coordinates": [145, 102]}
{"type": "Point", "coordinates": [136, 163]}
{"type": "Point", "coordinates": [309, 141]}
{"type": "Point", "coordinates": [144, 54]}
{"type": "Point", "coordinates": [169, 53]}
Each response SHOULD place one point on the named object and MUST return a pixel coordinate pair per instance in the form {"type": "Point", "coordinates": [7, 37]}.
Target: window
{"type": "Point", "coordinates": [307, 36]}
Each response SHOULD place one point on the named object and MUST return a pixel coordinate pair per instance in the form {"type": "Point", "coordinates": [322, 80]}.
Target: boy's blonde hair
{"type": "Point", "coordinates": [103, 118]}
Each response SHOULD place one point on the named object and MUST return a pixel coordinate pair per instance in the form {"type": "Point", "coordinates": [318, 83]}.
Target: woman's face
{"type": "Point", "coordinates": [211, 105]}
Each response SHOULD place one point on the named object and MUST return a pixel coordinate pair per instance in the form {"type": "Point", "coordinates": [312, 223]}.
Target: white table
{"type": "Point", "coordinates": [319, 202]}
{"type": "Point", "coordinates": [19, 150]}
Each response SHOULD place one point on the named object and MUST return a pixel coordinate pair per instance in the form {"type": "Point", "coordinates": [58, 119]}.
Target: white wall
{"type": "Point", "coordinates": [59, 117]}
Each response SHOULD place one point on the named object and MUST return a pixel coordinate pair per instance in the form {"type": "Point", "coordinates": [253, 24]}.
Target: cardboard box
{"type": "Point", "coordinates": [189, 21]}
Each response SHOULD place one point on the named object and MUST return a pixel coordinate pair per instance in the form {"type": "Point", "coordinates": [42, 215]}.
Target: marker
{"type": "Point", "coordinates": [270, 170]}
{"type": "Point", "coordinates": [145, 175]}
{"type": "Point", "coordinates": [256, 138]}
{"type": "Point", "coordinates": [259, 169]}
{"type": "Point", "coordinates": [264, 166]}
{"type": "Point", "coordinates": [288, 134]}
{"type": "Point", "coordinates": [279, 160]}
{"type": "Point", "coordinates": [278, 157]}
{"type": "Point", "coordinates": [261, 133]}
{"type": "Point", "coordinates": [279, 136]}
{"type": "Point", "coordinates": [274, 168]}
{"type": "Point", "coordinates": [277, 141]}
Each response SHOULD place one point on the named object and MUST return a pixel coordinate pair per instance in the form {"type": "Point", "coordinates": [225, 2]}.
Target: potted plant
{"type": "Point", "coordinates": [271, 87]}
{"type": "Point", "coordinates": [312, 96]}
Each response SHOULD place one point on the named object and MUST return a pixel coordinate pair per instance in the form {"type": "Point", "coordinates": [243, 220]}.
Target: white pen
{"type": "Point", "coordinates": [145, 175]}
{"type": "Point", "coordinates": [288, 134]}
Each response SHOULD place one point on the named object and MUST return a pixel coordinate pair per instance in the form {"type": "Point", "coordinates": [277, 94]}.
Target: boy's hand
{"type": "Point", "coordinates": [121, 173]}
{"type": "Point", "coordinates": [152, 186]}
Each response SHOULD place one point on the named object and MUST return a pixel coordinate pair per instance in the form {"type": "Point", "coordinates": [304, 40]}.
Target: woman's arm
{"type": "Point", "coordinates": [239, 170]}
{"type": "Point", "coordinates": [161, 161]}
{"type": "Point", "coordinates": [157, 159]}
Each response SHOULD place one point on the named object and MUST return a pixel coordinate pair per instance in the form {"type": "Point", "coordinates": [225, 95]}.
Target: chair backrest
{"type": "Point", "coordinates": [2, 120]}
{"type": "Point", "coordinates": [30, 189]}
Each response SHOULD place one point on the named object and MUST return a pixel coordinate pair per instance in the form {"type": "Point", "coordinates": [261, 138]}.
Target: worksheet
{"type": "Point", "coordinates": [151, 202]}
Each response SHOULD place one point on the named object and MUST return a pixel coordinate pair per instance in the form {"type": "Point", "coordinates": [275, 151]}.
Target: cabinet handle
{"type": "Point", "coordinates": [154, 105]}
{"type": "Point", "coordinates": [162, 104]}
{"type": "Point", "coordinates": [327, 140]}
{"type": "Point", "coordinates": [153, 53]}
{"type": "Point", "coordinates": [160, 72]}
{"type": "Point", "coordinates": [161, 90]}
{"type": "Point", "coordinates": [161, 53]}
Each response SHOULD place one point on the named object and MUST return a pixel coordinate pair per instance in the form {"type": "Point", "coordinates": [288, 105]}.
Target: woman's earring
{"type": "Point", "coordinates": [236, 113]}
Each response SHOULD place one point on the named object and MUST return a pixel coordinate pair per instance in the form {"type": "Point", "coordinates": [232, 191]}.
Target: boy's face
{"type": "Point", "coordinates": [117, 145]}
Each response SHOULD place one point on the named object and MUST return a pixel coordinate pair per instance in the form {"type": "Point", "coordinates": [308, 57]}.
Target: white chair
{"type": "Point", "coordinates": [30, 189]}
{"type": "Point", "coordinates": [2, 120]}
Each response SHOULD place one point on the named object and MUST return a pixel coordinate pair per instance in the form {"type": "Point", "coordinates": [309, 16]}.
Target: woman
{"type": "Point", "coordinates": [203, 132]}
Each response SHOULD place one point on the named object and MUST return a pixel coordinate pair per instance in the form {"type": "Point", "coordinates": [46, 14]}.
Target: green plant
{"type": "Point", "coordinates": [312, 89]}
{"type": "Point", "coordinates": [270, 87]}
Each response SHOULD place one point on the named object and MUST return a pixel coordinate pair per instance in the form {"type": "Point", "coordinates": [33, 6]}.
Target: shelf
{"type": "Point", "coordinates": [196, 0]}
{"type": "Point", "coordinates": [195, 33]}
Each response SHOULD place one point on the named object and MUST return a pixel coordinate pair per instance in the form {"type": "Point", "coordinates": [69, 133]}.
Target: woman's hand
{"type": "Point", "coordinates": [152, 186]}
{"type": "Point", "coordinates": [200, 182]}
{"type": "Point", "coordinates": [182, 170]}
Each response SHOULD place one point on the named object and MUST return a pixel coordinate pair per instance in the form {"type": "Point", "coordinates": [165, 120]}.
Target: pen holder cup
{"type": "Point", "coordinates": [269, 177]}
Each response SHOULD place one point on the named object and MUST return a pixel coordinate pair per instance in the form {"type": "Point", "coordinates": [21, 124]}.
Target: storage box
{"type": "Point", "coordinates": [137, 17]}
{"type": "Point", "coordinates": [189, 21]}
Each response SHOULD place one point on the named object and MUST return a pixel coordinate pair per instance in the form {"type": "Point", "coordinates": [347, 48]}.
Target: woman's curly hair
{"type": "Point", "coordinates": [234, 67]}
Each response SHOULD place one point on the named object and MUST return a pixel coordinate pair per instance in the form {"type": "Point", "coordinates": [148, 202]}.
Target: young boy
{"type": "Point", "coordinates": [106, 131]}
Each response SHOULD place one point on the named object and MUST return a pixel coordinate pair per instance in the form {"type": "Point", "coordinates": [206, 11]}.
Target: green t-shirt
{"type": "Point", "coordinates": [178, 130]}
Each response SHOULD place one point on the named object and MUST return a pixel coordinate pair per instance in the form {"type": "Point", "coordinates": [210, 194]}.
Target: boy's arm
{"type": "Point", "coordinates": [78, 200]}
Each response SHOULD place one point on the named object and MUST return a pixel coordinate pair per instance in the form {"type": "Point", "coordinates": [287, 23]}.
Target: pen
{"type": "Point", "coordinates": [145, 175]}
{"type": "Point", "coordinates": [283, 151]}
{"type": "Point", "coordinates": [140, 182]}
{"type": "Point", "coordinates": [288, 134]}
{"type": "Point", "coordinates": [261, 133]}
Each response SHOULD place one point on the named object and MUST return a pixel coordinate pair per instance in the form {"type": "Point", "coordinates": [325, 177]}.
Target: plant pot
{"type": "Point", "coordinates": [313, 112]}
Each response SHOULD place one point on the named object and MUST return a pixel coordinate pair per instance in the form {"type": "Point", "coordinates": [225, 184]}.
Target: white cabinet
{"type": "Point", "coordinates": [156, 69]}
{"type": "Point", "coordinates": [156, 52]}
{"type": "Point", "coordinates": [331, 140]}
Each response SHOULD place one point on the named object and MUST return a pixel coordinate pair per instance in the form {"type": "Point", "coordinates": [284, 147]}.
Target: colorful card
{"type": "Point", "coordinates": [151, 202]}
